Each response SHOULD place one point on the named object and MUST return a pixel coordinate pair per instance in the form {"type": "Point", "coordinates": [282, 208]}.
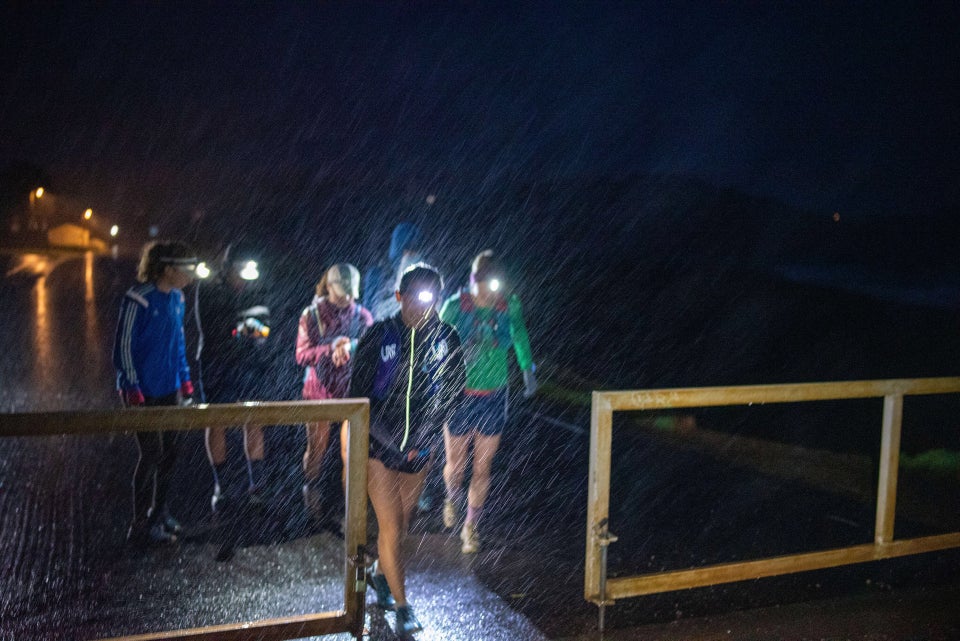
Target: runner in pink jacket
{"type": "Point", "coordinates": [329, 330]}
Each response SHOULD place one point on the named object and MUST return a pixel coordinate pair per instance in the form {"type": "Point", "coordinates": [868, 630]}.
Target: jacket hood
{"type": "Point", "coordinates": [405, 236]}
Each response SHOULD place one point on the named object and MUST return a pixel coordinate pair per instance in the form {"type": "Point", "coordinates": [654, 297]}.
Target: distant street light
{"type": "Point", "coordinates": [87, 215]}
{"type": "Point", "coordinates": [114, 230]}
{"type": "Point", "coordinates": [35, 195]}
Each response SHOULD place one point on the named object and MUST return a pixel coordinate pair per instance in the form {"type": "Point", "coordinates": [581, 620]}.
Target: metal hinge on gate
{"type": "Point", "coordinates": [360, 562]}
{"type": "Point", "coordinates": [604, 538]}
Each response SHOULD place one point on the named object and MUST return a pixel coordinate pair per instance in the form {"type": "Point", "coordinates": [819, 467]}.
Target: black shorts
{"type": "Point", "coordinates": [487, 414]}
{"type": "Point", "coordinates": [393, 459]}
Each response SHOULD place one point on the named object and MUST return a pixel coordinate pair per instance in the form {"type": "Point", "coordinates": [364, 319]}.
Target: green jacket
{"type": "Point", "coordinates": [486, 334]}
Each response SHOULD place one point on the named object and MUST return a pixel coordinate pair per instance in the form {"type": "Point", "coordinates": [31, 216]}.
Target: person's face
{"type": "Point", "coordinates": [417, 304]}
{"type": "Point", "coordinates": [337, 295]}
{"type": "Point", "coordinates": [339, 288]}
{"type": "Point", "coordinates": [487, 290]}
{"type": "Point", "coordinates": [178, 277]}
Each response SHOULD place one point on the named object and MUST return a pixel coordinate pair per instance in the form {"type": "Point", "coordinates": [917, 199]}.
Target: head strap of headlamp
{"type": "Point", "coordinates": [187, 261]}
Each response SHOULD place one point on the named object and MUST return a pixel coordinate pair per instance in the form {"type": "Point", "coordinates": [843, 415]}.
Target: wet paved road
{"type": "Point", "coordinates": [64, 503]}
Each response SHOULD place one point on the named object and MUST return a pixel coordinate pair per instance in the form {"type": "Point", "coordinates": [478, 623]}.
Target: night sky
{"type": "Point", "coordinates": [160, 112]}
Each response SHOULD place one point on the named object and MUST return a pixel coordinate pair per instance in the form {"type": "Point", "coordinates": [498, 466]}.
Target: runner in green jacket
{"type": "Point", "coordinates": [489, 324]}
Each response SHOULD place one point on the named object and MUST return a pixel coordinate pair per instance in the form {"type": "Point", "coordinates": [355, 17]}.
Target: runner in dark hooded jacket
{"type": "Point", "coordinates": [411, 368]}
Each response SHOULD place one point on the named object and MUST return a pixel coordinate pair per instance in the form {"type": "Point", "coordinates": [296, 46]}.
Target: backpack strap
{"type": "Point", "coordinates": [466, 301]}
{"type": "Point", "coordinates": [316, 315]}
{"type": "Point", "coordinates": [354, 328]}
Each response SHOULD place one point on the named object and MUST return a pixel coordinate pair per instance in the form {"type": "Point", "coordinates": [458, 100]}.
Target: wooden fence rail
{"type": "Point", "coordinates": [355, 411]}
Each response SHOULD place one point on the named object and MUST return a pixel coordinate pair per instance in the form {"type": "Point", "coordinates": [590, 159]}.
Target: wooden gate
{"type": "Point", "coordinates": [603, 591]}
{"type": "Point", "coordinates": [355, 411]}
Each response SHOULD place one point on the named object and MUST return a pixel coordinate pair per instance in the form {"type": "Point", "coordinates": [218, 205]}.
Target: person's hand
{"type": "Point", "coordinates": [529, 383]}
{"type": "Point", "coordinates": [186, 392]}
{"type": "Point", "coordinates": [132, 397]}
{"type": "Point", "coordinates": [341, 351]}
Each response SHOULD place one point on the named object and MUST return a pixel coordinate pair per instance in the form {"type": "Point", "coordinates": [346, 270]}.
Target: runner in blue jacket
{"type": "Point", "coordinates": [150, 358]}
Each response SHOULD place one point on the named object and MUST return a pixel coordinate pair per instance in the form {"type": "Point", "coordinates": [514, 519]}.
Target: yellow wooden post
{"type": "Point", "coordinates": [355, 523]}
{"type": "Point", "coordinates": [889, 466]}
{"type": "Point", "coordinates": [598, 492]}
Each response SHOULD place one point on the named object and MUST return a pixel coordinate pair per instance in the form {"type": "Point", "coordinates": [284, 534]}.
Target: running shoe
{"type": "Point", "coordinates": [169, 523]}
{"type": "Point", "coordinates": [218, 501]}
{"type": "Point", "coordinates": [449, 514]}
{"type": "Point", "coordinates": [424, 503]}
{"type": "Point", "coordinates": [142, 535]}
{"type": "Point", "coordinates": [158, 534]}
{"type": "Point", "coordinates": [255, 496]}
{"type": "Point", "coordinates": [379, 583]}
{"type": "Point", "coordinates": [313, 502]}
{"type": "Point", "coordinates": [407, 622]}
{"type": "Point", "coordinates": [471, 542]}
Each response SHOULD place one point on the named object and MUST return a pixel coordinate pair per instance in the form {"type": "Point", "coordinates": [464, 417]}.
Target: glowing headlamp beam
{"type": "Point", "coordinates": [249, 271]}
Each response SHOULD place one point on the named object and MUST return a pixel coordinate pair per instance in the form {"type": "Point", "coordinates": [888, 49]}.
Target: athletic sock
{"type": "Point", "coordinates": [473, 514]}
{"type": "Point", "coordinates": [255, 470]}
{"type": "Point", "coordinates": [219, 477]}
{"type": "Point", "coordinates": [454, 494]}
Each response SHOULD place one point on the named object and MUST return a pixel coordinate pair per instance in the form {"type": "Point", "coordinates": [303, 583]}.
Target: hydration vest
{"type": "Point", "coordinates": [474, 330]}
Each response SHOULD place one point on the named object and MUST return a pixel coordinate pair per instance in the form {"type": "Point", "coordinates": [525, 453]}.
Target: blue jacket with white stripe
{"type": "Point", "coordinates": [150, 352]}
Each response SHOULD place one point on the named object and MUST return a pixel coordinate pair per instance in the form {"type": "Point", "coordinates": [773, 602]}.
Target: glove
{"type": "Point", "coordinates": [186, 393]}
{"type": "Point", "coordinates": [132, 397]}
{"type": "Point", "coordinates": [529, 383]}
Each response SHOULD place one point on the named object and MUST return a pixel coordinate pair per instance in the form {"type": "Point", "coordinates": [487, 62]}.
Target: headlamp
{"type": "Point", "coordinates": [425, 296]}
{"type": "Point", "coordinates": [185, 265]}
{"type": "Point", "coordinates": [202, 271]}
{"type": "Point", "coordinates": [494, 285]}
{"type": "Point", "coordinates": [248, 270]}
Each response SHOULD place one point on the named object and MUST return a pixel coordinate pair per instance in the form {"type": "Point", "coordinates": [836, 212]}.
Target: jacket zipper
{"type": "Point", "coordinates": [406, 426]}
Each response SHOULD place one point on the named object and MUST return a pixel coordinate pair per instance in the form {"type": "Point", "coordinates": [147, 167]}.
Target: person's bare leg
{"type": "Point", "coordinates": [253, 442]}
{"type": "Point", "coordinates": [457, 449]}
{"type": "Point", "coordinates": [411, 485]}
{"type": "Point", "coordinates": [393, 495]}
{"type": "Point", "coordinates": [484, 449]}
{"type": "Point", "coordinates": [253, 448]}
{"type": "Point", "coordinates": [216, 439]}
{"type": "Point", "coordinates": [382, 488]}
{"type": "Point", "coordinates": [344, 438]}
{"type": "Point", "coordinates": [318, 439]}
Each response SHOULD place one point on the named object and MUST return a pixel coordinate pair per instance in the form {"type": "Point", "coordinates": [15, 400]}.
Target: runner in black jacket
{"type": "Point", "coordinates": [411, 368]}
